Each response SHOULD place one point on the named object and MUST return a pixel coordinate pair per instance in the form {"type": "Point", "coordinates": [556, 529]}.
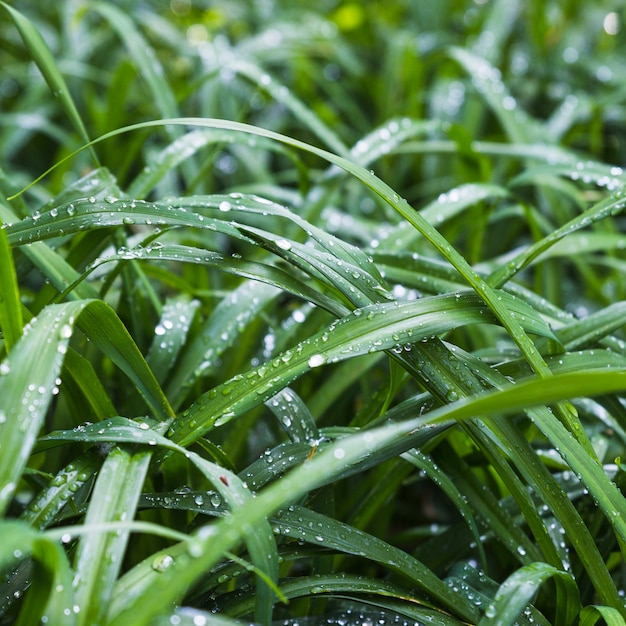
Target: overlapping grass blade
{"type": "Point", "coordinates": [50, 592]}
{"type": "Point", "coordinates": [99, 556]}
{"type": "Point", "coordinates": [30, 376]}
{"type": "Point", "coordinates": [521, 587]}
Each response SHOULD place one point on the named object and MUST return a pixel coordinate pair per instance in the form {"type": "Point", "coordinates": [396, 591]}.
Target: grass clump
{"type": "Point", "coordinates": [315, 315]}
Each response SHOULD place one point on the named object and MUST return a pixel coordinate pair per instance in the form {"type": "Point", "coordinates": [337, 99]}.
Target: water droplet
{"type": "Point", "coordinates": [283, 244]}
{"type": "Point", "coordinates": [162, 562]}
{"type": "Point", "coordinates": [316, 360]}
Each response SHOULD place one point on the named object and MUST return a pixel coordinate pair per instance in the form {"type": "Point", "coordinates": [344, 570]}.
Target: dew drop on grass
{"type": "Point", "coordinates": [162, 562]}
{"type": "Point", "coordinates": [316, 360]}
{"type": "Point", "coordinates": [225, 206]}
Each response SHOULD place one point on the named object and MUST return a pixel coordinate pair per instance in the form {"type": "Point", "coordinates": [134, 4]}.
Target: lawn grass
{"type": "Point", "coordinates": [312, 314]}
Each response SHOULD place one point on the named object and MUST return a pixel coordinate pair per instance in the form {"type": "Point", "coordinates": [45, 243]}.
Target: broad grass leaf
{"type": "Point", "coordinates": [99, 556]}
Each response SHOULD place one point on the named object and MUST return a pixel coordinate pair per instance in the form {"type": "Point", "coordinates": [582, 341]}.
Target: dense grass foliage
{"type": "Point", "coordinates": [312, 313]}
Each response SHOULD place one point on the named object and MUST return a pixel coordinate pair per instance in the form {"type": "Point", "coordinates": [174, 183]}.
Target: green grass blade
{"type": "Point", "coordinates": [144, 56]}
{"type": "Point", "coordinates": [99, 556]}
{"type": "Point", "coordinates": [371, 329]}
{"type": "Point", "coordinates": [590, 615]}
{"type": "Point", "coordinates": [46, 63]}
{"type": "Point", "coordinates": [29, 377]}
{"type": "Point", "coordinates": [520, 588]}
{"type": "Point", "coordinates": [10, 306]}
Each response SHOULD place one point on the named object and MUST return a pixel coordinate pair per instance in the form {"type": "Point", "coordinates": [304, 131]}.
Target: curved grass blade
{"type": "Point", "coordinates": [255, 271]}
{"type": "Point", "coordinates": [29, 377]}
{"type": "Point", "coordinates": [590, 615]}
{"type": "Point", "coordinates": [43, 58]}
{"type": "Point", "coordinates": [519, 589]}
{"type": "Point", "coordinates": [303, 524]}
{"type": "Point", "coordinates": [50, 593]}
{"type": "Point", "coordinates": [605, 209]}
{"type": "Point", "coordinates": [335, 585]}
{"type": "Point", "coordinates": [371, 329]}
{"type": "Point", "coordinates": [293, 415]}
{"type": "Point", "coordinates": [187, 145]}
{"type": "Point", "coordinates": [385, 192]}
{"type": "Point", "coordinates": [334, 459]}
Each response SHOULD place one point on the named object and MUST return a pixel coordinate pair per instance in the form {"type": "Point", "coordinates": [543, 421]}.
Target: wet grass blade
{"type": "Point", "coordinates": [99, 556]}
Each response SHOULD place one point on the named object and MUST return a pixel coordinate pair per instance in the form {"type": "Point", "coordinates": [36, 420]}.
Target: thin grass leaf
{"type": "Point", "coordinates": [10, 306]}
{"type": "Point", "coordinates": [50, 593]}
{"type": "Point", "coordinates": [334, 585]}
{"type": "Point", "coordinates": [47, 65]}
{"type": "Point", "coordinates": [302, 524]}
{"type": "Point", "coordinates": [601, 211]}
